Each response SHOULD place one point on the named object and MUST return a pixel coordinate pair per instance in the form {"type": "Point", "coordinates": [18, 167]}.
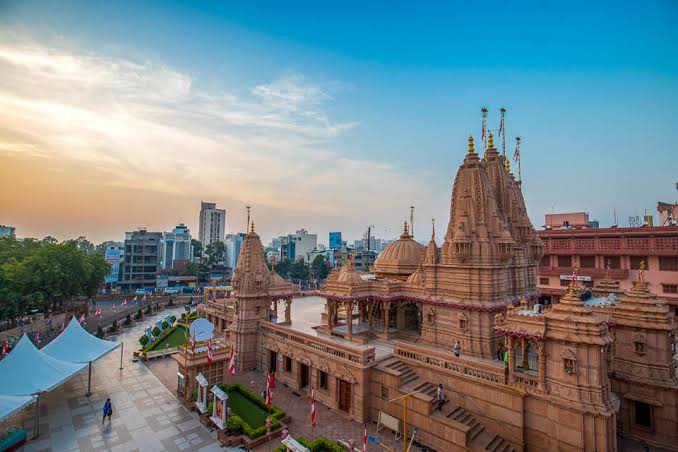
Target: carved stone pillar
{"type": "Point", "coordinates": [386, 314]}
{"type": "Point", "coordinates": [331, 309]}
{"type": "Point", "coordinates": [349, 319]}
{"type": "Point", "coordinates": [369, 318]}
{"type": "Point", "coordinates": [512, 359]}
{"type": "Point", "coordinates": [541, 354]}
{"type": "Point", "coordinates": [525, 350]}
{"type": "Point", "coordinates": [288, 310]}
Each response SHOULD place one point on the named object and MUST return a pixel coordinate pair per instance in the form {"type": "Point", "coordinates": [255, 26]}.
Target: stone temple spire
{"type": "Point", "coordinates": [251, 275]}
{"type": "Point", "coordinates": [431, 256]}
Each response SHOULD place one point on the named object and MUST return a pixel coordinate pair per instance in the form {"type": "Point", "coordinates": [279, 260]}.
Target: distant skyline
{"type": "Point", "coordinates": [122, 115]}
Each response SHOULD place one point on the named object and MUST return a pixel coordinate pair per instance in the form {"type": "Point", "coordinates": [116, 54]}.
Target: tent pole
{"type": "Point", "coordinates": [122, 348]}
{"type": "Point", "coordinates": [89, 380]}
{"type": "Point", "coordinates": [36, 428]}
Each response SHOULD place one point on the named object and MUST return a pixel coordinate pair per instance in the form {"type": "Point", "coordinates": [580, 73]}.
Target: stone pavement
{"type": "Point", "coordinates": [146, 416]}
{"type": "Point", "coordinates": [331, 423]}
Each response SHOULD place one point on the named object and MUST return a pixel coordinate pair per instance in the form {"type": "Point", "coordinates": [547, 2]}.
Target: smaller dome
{"type": "Point", "coordinates": [401, 258]}
{"type": "Point", "coordinates": [347, 275]}
{"type": "Point", "coordinates": [416, 278]}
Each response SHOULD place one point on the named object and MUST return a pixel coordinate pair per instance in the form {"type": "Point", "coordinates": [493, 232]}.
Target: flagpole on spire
{"type": "Point", "coordinates": [516, 158]}
{"type": "Point", "coordinates": [248, 219]}
{"type": "Point", "coordinates": [484, 130]}
{"type": "Point", "coordinates": [502, 131]}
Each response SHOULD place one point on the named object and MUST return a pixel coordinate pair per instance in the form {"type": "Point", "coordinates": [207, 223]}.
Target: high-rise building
{"type": "Point", "coordinates": [233, 244]}
{"type": "Point", "coordinates": [7, 231]}
{"type": "Point", "coordinates": [141, 263]}
{"type": "Point", "coordinates": [176, 248]}
{"type": "Point", "coordinates": [114, 256]}
{"type": "Point", "coordinates": [212, 224]}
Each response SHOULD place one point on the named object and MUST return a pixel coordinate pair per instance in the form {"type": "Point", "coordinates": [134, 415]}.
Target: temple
{"type": "Point", "coordinates": [518, 375]}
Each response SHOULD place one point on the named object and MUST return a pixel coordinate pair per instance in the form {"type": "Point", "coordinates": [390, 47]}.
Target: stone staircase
{"type": "Point", "coordinates": [478, 438]}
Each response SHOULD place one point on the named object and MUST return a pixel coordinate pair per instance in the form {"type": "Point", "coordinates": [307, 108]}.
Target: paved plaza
{"type": "Point", "coordinates": [146, 416]}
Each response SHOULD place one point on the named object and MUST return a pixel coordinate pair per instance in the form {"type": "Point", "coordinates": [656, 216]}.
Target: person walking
{"type": "Point", "coordinates": [457, 348]}
{"type": "Point", "coordinates": [440, 396]}
{"type": "Point", "coordinates": [108, 411]}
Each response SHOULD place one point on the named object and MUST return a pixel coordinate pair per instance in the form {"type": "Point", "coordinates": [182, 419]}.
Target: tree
{"type": "Point", "coordinates": [197, 249]}
{"type": "Point", "coordinates": [192, 269]}
{"type": "Point", "coordinates": [216, 252]}
{"type": "Point", "coordinates": [320, 267]}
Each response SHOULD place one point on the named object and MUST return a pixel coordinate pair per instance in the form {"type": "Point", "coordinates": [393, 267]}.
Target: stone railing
{"type": "Point", "coordinates": [469, 367]}
{"type": "Point", "coordinates": [314, 343]}
{"type": "Point", "coordinates": [527, 380]}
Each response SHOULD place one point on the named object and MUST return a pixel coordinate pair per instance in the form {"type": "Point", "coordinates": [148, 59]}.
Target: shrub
{"type": "Point", "coordinates": [321, 444]}
{"type": "Point", "coordinates": [239, 425]}
{"type": "Point", "coordinates": [139, 315]}
{"type": "Point", "coordinates": [173, 318]}
{"type": "Point", "coordinates": [149, 310]}
{"type": "Point", "coordinates": [128, 320]}
{"type": "Point", "coordinates": [156, 331]}
{"type": "Point", "coordinates": [143, 340]}
{"type": "Point", "coordinates": [100, 332]}
{"type": "Point", "coordinates": [171, 302]}
{"type": "Point", "coordinates": [114, 327]}
{"type": "Point", "coordinates": [164, 325]}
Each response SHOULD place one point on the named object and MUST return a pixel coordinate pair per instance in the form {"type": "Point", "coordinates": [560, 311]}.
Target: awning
{"type": "Point", "coordinates": [27, 370]}
{"type": "Point", "coordinates": [10, 404]}
{"type": "Point", "coordinates": [76, 345]}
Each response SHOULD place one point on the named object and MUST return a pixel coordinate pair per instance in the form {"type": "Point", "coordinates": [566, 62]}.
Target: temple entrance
{"type": "Point", "coordinates": [344, 395]}
{"type": "Point", "coordinates": [272, 361]}
{"type": "Point", "coordinates": [304, 374]}
{"type": "Point", "coordinates": [411, 318]}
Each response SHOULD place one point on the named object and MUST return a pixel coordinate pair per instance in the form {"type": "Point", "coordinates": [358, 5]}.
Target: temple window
{"type": "Point", "coordinates": [384, 392]}
{"type": "Point", "coordinates": [568, 365]}
{"type": "Point", "coordinates": [322, 379]}
{"type": "Point", "coordinates": [545, 261]}
{"type": "Point", "coordinates": [668, 264]}
{"type": "Point", "coordinates": [463, 322]}
{"type": "Point", "coordinates": [544, 281]}
{"type": "Point", "coordinates": [587, 261]}
{"type": "Point", "coordinates": [613, 261]}
{"type": "Point", "coordinates": [288, 364]}
{"type": "Point", "coordinates": [639, 347]}
{"type": "Point", "coordinates": [642, 414]}
{"type": "Point", "coordinates": [564, 261]}
{"type": "Point", "coordinates": [670, 288]}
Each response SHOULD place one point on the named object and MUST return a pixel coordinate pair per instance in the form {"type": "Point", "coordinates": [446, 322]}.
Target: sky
{"type": "Point", "coordinates": [330, 117]}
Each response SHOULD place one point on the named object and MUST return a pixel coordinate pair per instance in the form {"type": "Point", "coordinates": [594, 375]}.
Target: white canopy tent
{"type": "Point", "coordinates": [76, 345]}
{"type": "Point", "coordinates": [11, 404]}
{"type": "Point", "coordinates": [27, 371]}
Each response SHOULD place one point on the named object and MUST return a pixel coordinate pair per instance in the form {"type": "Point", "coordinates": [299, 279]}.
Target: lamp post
{"type": "Point", "coordinates": [404, 398]}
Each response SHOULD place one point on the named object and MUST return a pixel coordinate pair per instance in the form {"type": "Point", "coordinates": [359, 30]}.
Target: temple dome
{"type": "Point", "coordinates": [401, 258]}
{"type": "Point", "coordinates": [347, 275]}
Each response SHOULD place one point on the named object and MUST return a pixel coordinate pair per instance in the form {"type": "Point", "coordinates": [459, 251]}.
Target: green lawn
{"type": "Point", "coordinates": [175, 338]}
{"type": "Point", "coordinates": [248, 411]}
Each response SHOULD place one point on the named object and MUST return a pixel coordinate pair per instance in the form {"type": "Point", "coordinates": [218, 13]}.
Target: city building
{"type": "Point", "coordinates": [212, 224]}
{"type": "Point", "coordinates": [573, 220]}
{"type": "Point", "coordinates": [141, 263]}
{"type": "Point", "coordinates": [295, 246]}
{"type": "Point", "coordinates": [233, 244]}
{"type": "Point", "coordinates": [7, 231]}
{"type": "Point", "coordinates": [335, 240]}
{"type": "Point", "coordinates": [618, 252]}
{"type": "Point", "coordinates": [518, 375]}
{"type": "Point", "coordinates": [668, 214]}
{"type": "Point", "coordinates": [113, 255]}
{"type": "Point", "coordinates": [176, 249]}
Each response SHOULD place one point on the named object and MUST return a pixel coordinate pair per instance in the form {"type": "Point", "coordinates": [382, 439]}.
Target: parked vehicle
{"type": "Point", "coordinates": [171, 290]}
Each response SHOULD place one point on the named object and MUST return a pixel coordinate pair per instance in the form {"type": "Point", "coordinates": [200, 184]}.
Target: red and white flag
{"type": "Point", "coordinates": [312, 408]}
{"type": "Point", "coordinates": [5, 348]}
{"type": "Point", "coordinates": [193, 343]}
{"type": "Point", "coordinates": [209, 352]}
{"type": "Point", "coordinates": [271, 380]}
{"type": "Point", "coordinates": [97, 313]}
{"type": "Point", "coordinates": [365, 438]}
{"type": "Point", "coordinates": [81, 320]}
{"type": "Point", "coordinates": [231, 361]}
{"type": "Point", "coordinates": [124, 303]}
{"type": "Point", "coordinates": [63, 327]}
{"type": "Point", "coordinates": [268, 393]}
{"type": "Point", "coordinates": [37, 337]}
{"type": "Point", "coordinates": [113, 307]}
{"type": "Point", "coordinates": [135, 298]}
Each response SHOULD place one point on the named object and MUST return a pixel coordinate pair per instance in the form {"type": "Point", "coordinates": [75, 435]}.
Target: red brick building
{"type": "Point", "coordinates": [622, 249]}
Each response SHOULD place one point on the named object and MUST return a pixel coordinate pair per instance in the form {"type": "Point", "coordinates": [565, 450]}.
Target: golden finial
{"type": "Point", "coordinates": [252, 227]}
{"type": "Point", "coordinates": [507, 164]}
{"type": "Point", "coordinates": [433, 229]}
{"type": "Point", "coordinates": [607, 270]}
{"type": "Point", "coordinates": [471, 149]}
{"type": "Point", "coordinates": [575, 269]}
{"type": "Point", "coordinates": [490, 141]}
{"type": "Point", "coordinates": [405, 229]}
{"type": "Point", "coordinates": [641, 272]}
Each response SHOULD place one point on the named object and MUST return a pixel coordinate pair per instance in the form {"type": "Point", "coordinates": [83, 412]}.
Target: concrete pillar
{"type": "Point", "coordinates": [288, 310]}
{"type": "Point", "coordinates": [386, 314]}
{"type": "Point", "coordinates": [542, 365]}
{"type": "Point", "coordinates": [349, 319]}
{"type": "Point", "coordinates": [369, 318]}
{"type": "Point", "coordinates": [525, 349]}
{"type": "Point", "coordinates": [331, 309]}
{"type": "Point", "coordinates": [512, 359]}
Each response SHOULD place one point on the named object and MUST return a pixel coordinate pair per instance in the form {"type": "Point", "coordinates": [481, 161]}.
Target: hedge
{"type": "Point", "coordinates": [156, 331]}
{"type": "Point", "coordinates": [143, 340]}
{"type": "Point", "coordinates": [164, 325]}
{"type": "Point", "coordinates": [158, 338]}
{"type": "Point", "coordinates": [321, 444]}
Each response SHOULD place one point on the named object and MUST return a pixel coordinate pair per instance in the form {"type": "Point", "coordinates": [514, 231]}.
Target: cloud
{"type": "Point", "coordinates": [146, 126]}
